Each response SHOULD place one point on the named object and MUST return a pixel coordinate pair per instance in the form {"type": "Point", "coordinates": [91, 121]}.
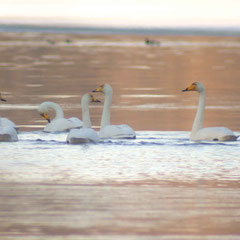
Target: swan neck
{"type": "Point", "coordinates": [86, 115]}
{"type": "Point", "coordinates": [106, 110]}
{"type": "Point", "coordinates": [199, 118]}
{"type": "Point", "coordinates": [58, 110]}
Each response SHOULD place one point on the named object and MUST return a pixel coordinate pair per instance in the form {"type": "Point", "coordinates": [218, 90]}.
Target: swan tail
{"type": "Point", "coordinates": [78, 140]}
{"type": "Point", "coordinates": [5, 137]}
{"type": "Point", "coordinates": [228, 138]}
{"type": "Point", "coordinates": [123, 136]}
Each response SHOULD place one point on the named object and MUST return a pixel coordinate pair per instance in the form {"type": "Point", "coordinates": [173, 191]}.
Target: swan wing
{"type": "Point", "coordinates": [83, 135]}
{"type": "Point", "coordinates": [59, 125]}
{"type": "Point", "coordinates": [75, 122]}
{"type": "Point", "coordinates": [215, 134]}
{"type": "Point", "coordinates": [117, 131]}
{"type": "Point", "coordinates": [8, 134]}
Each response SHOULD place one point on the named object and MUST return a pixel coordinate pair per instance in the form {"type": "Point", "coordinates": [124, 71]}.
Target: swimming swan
{"type": "Point", "coordinates": [8, 132]}
{"type": "Point", "coordinates": [5, 121]}
{"type": "Point", "coordinates": [211, 133]}
{"type": "Point", "coordinates": [85, 134]}
{"type": "Point", "coordinates": [107, 130]}
{"type": "Point", "coordinates": [59, 123]}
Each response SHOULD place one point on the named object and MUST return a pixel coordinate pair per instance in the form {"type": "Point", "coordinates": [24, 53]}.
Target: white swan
{"type": "Point", "coordinates": [5, 121]}
{"type": "Point", "coordinates": [59, 123]}
{"type": "Point", "coordinates": [107, 130]}
{"type": "Point", "coordinates": [8, 132]}
{"type": "Point", "coordinates": [8, 123]}
{"type": "Point", "coordinates": [85, 134]}
{"type": "Point", "coordinates": [199, 133]}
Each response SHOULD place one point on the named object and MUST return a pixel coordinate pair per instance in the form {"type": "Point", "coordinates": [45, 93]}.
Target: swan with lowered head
{"type": "Point", "coordinates": [59, 123]}
{"type": "Point", "coordinates": [85, 134]}
{"type": "Point", "coordinates": [107, 130]}
{"type": "Point", "coordinates": [199, 133]}
{"type": "Point", "coordinates": [8, 132]}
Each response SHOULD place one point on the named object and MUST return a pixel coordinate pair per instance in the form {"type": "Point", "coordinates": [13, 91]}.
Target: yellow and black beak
{"type": "Point", "coordinates": [99, 89]}
{"type": "Point", "coordinates": [94, 99]}
{"type": "Point", "coordinates": [190, 88]}
{"type": "Point", "coordinates": [46, 117]}
{"type": "Point", "coordinates": [185, 90]}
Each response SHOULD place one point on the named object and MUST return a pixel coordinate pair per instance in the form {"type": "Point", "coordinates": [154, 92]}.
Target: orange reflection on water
{"type": "Point", "coordinates": [38, 69]}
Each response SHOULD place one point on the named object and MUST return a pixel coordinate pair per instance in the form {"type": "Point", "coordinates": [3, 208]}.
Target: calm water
{"type": "Point", "coordinates": [158, 186]}
{"type": "Point", "coordinates": [160, 156]}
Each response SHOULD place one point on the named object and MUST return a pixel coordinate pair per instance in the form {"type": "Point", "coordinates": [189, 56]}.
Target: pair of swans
{"type": "Point", "coordinates": [86, 133]}
{"type": "Point", "coordinates": [8, 130]}
{"type": "Point", "coordinates": [199, 133]}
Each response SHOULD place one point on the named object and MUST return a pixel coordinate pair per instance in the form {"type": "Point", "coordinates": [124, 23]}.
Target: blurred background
{"type": "Point", "coordinates": [124, 13]}
{"type": "Point", "coordinates": [147, 50]}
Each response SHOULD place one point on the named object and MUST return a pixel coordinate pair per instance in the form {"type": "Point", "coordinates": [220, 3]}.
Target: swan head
{"type": "Point", "coordinates": [196, 86]}
{"type": "Point", "coordinates": [105, 88]}
{"type": "Point", "coordinates": [89, 98]}
{"type": "Point", "coordinates": [43, 111]}
{"type": "Point", "coordinates": [46, 117]}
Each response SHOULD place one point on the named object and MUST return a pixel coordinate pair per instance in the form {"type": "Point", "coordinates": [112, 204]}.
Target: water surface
{"type": "Point", "coordinates": [160, 185]}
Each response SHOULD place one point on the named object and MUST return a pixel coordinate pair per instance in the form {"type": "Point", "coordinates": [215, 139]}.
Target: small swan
{"type": "Point", "coordinates": [85, 134]}
{"type": "Point", "coordinates": [211, 133]}
{"type": "Point", "coordinates": [59, 123]}
{"type": "Point", "coordinates": [107, 130]}
{"type": "Point", "coordinates": [8, 132]}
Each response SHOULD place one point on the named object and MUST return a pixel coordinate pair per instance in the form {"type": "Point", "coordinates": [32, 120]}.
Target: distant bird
{"type": "Point", "coordinates": [68, 41]}
{"type": "Point", "coordinates": [151, 42]}
{"type": "Point", "coordinates": [2, 99]}
{"type": "Point", "coordinates": [51, 41]}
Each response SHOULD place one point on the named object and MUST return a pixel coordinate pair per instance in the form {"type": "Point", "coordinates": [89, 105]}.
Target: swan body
{"type": "Point", "coordinates": [199, 133]}
{"type": "Point", "coordinates": [117, 132]}
{"type": "Point", "coordinates": [8, 123]}
{"type": "Point", "coordinates": [8, 134]}
{"type": "Point", "coordinates": [107, 130]}
{"type": "Point", "coordinates": [5, 122]}
{"type": "Point", "coordinates": [85, 134]}
{"type": "Point", "coordinates": [8, 131]}
{"type": "Point", "coordinates": [59, 123]}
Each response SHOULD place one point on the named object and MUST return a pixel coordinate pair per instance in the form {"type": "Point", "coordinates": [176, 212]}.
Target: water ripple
{"type": "Point", "coordinates": [166, 156]}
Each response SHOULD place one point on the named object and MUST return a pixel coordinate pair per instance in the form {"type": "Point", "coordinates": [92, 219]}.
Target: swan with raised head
{"type": "Point", "coordinates": [107, 130]}
{"type": "Point", "coordinates": [59, 123]}
{"type": "Point", "coordinates": [8, 132]}
{"type": "Point", "coordinates": [85, 134]}
{"type": "Point", "coordinates": [199, 133]}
